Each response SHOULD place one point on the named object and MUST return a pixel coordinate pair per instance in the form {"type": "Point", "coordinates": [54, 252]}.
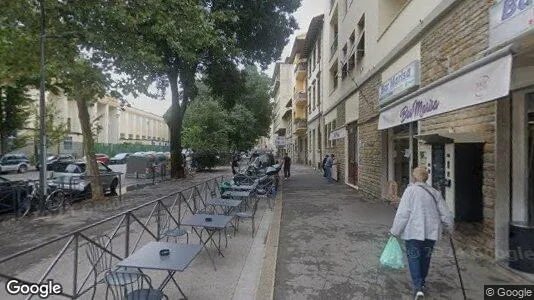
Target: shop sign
{"type": "Point", "coordinates": [403, 82]}
{"type": "Point", "coordinates": [510, 19]}
{"type": "Point", "coordinates": [338, 134]}
{"type": "Point", "coordinates": [486, 83]}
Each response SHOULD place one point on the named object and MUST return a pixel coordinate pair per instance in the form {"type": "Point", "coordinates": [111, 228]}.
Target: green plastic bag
{"type": "Point", "coordinates": [392, 256]}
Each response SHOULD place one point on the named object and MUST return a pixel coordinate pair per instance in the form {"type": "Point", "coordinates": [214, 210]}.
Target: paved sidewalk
{"type": "Point", "coordinates": [331, 239]}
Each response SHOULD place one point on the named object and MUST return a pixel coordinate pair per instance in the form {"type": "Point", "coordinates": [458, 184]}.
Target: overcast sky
{"type": "Point", "coordinates": [308, 10]}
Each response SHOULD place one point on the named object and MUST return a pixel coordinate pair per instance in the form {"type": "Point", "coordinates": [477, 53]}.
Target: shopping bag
{"type": "Point", "coordinates": [392, 256]}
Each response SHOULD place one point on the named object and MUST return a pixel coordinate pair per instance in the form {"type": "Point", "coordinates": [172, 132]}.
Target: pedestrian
{"type": "Point", "coordinates": [330, 161]}
{"type": "Point", "coordinates": [421, 214]}
{"type": "Point", "coordinates": [235, 163]}
{"type": "Point", "coordinates": [287, 166]}
{"type": "Point", "coordinates": [324, 165]}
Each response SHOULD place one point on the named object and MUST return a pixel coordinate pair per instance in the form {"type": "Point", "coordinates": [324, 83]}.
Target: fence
{"type": "Point", "coordinates": [124, 232]}
{"type": "Point", "coordinates": [112, 149]}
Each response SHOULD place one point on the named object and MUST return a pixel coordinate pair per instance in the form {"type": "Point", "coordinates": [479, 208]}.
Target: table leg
{"type": "Point", "coordinates": [205, 247]}
{"type": "Point", "coordinates": [168, 279]}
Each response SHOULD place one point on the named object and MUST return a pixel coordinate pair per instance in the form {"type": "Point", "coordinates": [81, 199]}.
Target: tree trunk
{"type": "Point", "coordinates": [175, 129]}
{"type": "Point", "coordinates": [88, 145]}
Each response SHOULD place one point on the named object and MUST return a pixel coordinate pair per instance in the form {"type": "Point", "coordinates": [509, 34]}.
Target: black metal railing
{"type": "Point", "coordinates": [125, 232]}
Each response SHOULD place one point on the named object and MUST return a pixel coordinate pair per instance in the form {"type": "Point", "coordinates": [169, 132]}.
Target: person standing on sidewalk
{"type": "Point", "coordinates": [328, 167]}
{"type": "Point", "coordinates": [324, 165]}
{"type": "Point", "coordinates": [419, 219]}
{"type": "Point", "coordinates": [287, 166]}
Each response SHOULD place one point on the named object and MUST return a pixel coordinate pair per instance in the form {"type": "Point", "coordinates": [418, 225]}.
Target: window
{"type": "Point", "coordinates": [318, 49]}
{"type": "Point", "coordinates": [344, 71]}
{"type": "Point", "coordinates": [130, 136]}
{"type": "Point", "coordinates": [69, 125]}
{"type": "Point", "coordinates": [67, 143]}
{"type": "Point", "coordinates": [332, 129]}
{"type": "Point", "coordinates": [360, 48]}
{"type": "Point", "coordinates": [143, 137]}
{"type": "Point", "coordinates": [313, 96]}
{"type": "Point", "coordinates": [309, 97]}
{"type": "Point", "coordinates": [344, 51]}
{"type": "Point", "coordinates": [352, 39]}
{"type": "Point", "coordinates": [123, 136]}
{"type": "Point", "coordinates": [318, 89]}
{"type": "Point", "coordinates": [352, 62]}
{"type": "Point", "coordinates": [387, 12]}
{"type": "Point", "coordinates": [136, 136]}
{"type": "Point", "coordinates": [334, 77]}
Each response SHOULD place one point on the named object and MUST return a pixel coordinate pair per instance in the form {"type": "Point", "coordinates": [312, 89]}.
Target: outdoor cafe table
{"type": "Point", "coordinates": [227, 204]}
{"type": "Point", "coordinates": [237, 194]}
{"type": "Point", "coordinates": [242, 187]}
{"type": "Point", "coordinates": [218, 222]}
{"type": "Point", "coordinates": [148, 257]}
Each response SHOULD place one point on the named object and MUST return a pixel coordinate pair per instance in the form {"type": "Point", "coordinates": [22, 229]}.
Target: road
{"type": "Point", "coordinates": [33, 174]}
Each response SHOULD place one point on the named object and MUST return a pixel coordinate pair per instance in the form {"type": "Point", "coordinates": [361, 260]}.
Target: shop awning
{"type": "Point", "coordinates": [448, 138]}
{"type": "Point", "coordinates": [482, 81]}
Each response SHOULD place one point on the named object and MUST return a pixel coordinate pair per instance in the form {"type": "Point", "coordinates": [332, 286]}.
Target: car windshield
{"type": "Point", "coordinates": [121, 155]}
{"type": "Point", "coordinates": [51, 158]}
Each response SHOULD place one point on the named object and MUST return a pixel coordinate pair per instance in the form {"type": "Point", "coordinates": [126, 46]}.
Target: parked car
{"type": "Point", "coordinates": [10, 191]}
{"type": "Point", "coordinates": [120, 158]}
{"type": "Point", "coordinates": [14, 162]}
{"type": "Point", "coordinates": [102, 158]}
{"type": "Point", "coordinates": [73, 177]}
{"type": "Point", "coordinates": [53, 160]}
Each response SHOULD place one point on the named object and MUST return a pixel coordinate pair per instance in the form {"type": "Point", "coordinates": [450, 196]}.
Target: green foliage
{"type": "Point", "coordinates": [56, 130]}
{"type": "Point", "coordinates": [243, 128]}
{"type": "Point", "coordinates": [206, 159]}
{"type": "Point", "coordinates": [205, 127]}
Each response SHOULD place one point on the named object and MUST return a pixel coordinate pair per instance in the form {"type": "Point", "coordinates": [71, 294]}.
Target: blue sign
{"type": "Point", "coordinates": [403, 82]}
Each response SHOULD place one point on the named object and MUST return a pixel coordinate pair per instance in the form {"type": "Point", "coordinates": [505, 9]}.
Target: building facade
{"type": "Point", "coordinates": [445, 84]}
{"type": "Point", "coordinates": [282, 121]}
{"type": "Point", "coordinates": [112, 122]}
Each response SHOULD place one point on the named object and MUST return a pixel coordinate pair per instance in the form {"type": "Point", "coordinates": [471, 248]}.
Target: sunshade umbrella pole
{"type": "Point", "coordinates": [457, 267]}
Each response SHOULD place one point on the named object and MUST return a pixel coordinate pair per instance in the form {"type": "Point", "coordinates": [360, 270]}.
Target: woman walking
{"type": "Point", "coordinates": [419, 220]}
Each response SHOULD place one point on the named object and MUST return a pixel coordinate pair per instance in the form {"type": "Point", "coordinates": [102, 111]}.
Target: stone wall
{"type": "Point", "coordinates": [370, 167]}
{"type": "Point", "coordinates": [457, 39]}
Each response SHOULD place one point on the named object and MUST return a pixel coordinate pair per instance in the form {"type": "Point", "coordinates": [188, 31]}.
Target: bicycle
{"type": "Point", "coordinates": [190, 172]}
{"type": "Point", "coordinates": [53, 202]}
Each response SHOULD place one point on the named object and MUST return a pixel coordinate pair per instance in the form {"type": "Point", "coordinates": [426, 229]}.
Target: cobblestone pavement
{"type": "Point", "coordinates": [331, 239]}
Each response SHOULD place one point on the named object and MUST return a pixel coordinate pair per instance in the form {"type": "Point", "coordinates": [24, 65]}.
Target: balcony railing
{"type": "Point", "coordinates": [300, 97]}
{"type": "Point", "coordinates": [333, 47]}
{"type": "Point", "coordinates": [300, 123]}
{"type": "Point", "coordinates": [302, 66]}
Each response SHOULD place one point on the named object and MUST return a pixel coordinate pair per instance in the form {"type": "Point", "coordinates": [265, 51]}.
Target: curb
{"type": "Point", "coordinates": [265, 289]}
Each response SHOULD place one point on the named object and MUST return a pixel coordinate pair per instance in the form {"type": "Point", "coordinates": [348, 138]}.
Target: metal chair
{"type": "Point", "coordinates": [169, 228]}
{"type": "Point", "coordinates": [102, 265]}
{"type": "Point", "coordinates": [140, 289]}
{"type": "Point", "coordinates": [248, 215]}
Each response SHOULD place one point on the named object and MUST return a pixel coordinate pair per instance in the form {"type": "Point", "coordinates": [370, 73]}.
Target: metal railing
{"type": "Point", "coordinates": [300, 97]}
{"type": "Point", "coordinates": [128, 229]}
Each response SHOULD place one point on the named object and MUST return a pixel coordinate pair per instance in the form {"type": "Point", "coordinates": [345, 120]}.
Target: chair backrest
{"type": "Point", "coordinates": [100, 260]}
{"type": "Point", "coordinates": [130, 282]}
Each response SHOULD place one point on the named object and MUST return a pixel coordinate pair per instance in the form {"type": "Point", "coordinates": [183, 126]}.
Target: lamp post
{"type": "Point", "coordinates": [42, 112]}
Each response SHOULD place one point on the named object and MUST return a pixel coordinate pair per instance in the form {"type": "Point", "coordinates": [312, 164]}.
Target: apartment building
{"type": "Point", "coordinates": [113, 123]}
{"type": "Point", "coordinates": [445, 84]}
{"type": "Point", "coordinates": [282, 90]}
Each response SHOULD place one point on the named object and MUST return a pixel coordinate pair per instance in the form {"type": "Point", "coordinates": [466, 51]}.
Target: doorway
{"type": "Point", "coordinates": [438, 168]}
{"type": "Point", "coordinates": [468, 181]}
{"type": "Point", "coordinates": [352, 131]}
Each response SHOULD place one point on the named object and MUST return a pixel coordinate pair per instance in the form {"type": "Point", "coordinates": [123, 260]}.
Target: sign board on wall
{"type": "Point", "coordinates": [338, 134]}
{"type": "Point", "coordinates": [403, 82]}
{"type": "Point", "coordinates": [486, 83]}
{"type": "Point", "coordinates": [280, 141]}
{"type": "Point", "coordinates": [510, 19]}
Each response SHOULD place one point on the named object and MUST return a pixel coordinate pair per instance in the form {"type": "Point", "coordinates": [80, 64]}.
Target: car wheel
{"type": "Point", "coordinates": [113, 187]}
{"type": "Point", "coordinates": [23, 169]}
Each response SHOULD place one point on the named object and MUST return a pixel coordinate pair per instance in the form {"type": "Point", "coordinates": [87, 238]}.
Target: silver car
{"type": "Point", "coordinates": [14, 162]}
{"type": "Point", "coordinates": [73, 177]}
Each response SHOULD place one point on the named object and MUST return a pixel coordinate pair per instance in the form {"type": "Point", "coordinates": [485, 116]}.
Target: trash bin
{"type": "Point", "coordinates": [521, 246]}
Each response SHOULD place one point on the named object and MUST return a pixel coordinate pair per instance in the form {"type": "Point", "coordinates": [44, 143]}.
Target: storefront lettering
{"type": "Point", "coordinates": [418, 109]}
{"type": "Point", "coordinates": [510, 7]}
{"type": "Point", "coordinates": [399, 83]}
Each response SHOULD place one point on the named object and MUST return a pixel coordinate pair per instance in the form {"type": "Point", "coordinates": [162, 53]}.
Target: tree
{"type": "Point", "coordinates": [205, 127]}
{"type": "Point", "coordinates": [56, 130]}
{"type": "Point", "coordinates": [171, 41]}
{"type": "Point", "coordinates": [243, 128]}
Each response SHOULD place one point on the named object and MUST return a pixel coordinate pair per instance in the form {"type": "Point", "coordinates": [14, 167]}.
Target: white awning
{"type": "Point", "coordinates": [479, 82]}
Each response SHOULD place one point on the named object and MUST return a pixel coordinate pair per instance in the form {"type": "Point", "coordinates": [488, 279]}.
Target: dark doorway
{"type": "Point", "coordinates": [353, 153]}
{"type": "Point", "coordinates": [468, 182]}
{"type": "Point", "coordinates": [438, 168]}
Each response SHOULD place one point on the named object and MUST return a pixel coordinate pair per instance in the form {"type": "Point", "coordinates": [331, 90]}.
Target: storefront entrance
{"type": "Point", "coordinates": [352, 131]}
{"type": "Point", "coordinates": [456, 171]}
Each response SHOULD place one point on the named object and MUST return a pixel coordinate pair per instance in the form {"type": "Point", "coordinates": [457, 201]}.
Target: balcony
{"type": "Point", "coordinates": [301, 98]}
{"type": "Point", "coordinates": [287, 114]}
{"type": "Point", "coordinates": [301, 69]}
{"type": "Point", "coordinates": [333, 47]}
{"type": "Point", "coordinates": [300, 127]}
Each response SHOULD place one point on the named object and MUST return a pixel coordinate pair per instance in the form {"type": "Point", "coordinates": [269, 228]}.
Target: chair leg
{"type": "Point", "coordinates": [253, 226]}
{"type": "Point", "coordinates": [187, 237]}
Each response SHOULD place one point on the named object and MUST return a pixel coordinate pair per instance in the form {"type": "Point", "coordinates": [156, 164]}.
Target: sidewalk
{"type": "Point", "coordinates": [331, 239]}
